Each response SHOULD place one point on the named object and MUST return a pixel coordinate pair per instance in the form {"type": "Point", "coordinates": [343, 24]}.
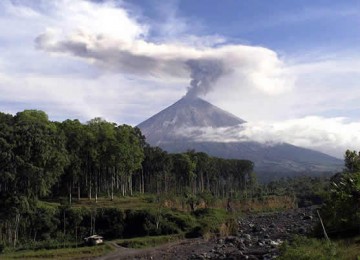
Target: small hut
{"type": "Point", "coordinates": [94, 240]}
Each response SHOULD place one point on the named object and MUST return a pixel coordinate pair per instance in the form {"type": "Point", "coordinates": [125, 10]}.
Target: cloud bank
{"type": "Point", "coordinates": [329, 135]}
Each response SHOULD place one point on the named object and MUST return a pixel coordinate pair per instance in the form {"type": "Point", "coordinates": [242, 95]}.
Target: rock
{"type": "Point", "coordinates": [241, 246]}
{"type": "Point", "coordinates": [247, 237]}
{"type": "Point", "coordinates": [261, 243]}
{"type": "Point", "coordinates": [302, 230]}
{"type": "Point", "coordinates": [307, 217]}
{"type": "Point", "coordinates": [231, 239]}
{"type": "Point", "coordinates": [274, 243]}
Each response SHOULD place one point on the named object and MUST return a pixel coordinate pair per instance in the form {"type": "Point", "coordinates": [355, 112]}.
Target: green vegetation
{"type": "Point", "coordinates": [341, 210]}
{"type": "Point", "coordinates": [60, 182]}
{"type": "Point", "coordinates": [315, 249]}
{"type": "Point", "coordinates": [64, 253]}
{"type": "Point", "coordinates": [307, 190]}
{"type": "Point", "coordinates": [210, 221]}
{"type": "Point", "coordinates": [143, 242]}
{"type": "Point", "coordinates": [340, 213]}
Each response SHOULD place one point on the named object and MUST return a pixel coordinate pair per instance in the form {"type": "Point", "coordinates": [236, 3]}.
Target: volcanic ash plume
{"type": "Point", "coordinates": [204, 73]}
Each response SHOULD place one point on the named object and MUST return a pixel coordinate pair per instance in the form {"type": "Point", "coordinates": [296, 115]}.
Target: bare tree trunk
{"type": "Point", "coordinates": [202, 182]}
{"type": "Point", "coordinates": [112, 186]}
{"type": "Point", "coordinates": [70, 190]}
{"type": "Point", "coordinates": [130, 185]}
{"type": "Point", "coordinates": [117, 182]}
{"type": "Point", "coordinates": [96, 192]}
{"type": "Point", "coordinates": [123, 189]}
{"type": "Point", "coordinates": [142, 181]}
{"type": "Point", "coordinates": [96, 186]}
{"type": "Point", "coordinates": [76, 235]}
{"type": "Point", "coordinates": [90, 187]}
{"type": "Point", "coordinates": [165, 182]}
{"type": "Point", "coordinates": [16, 231]}
{"type": "Point", "coordinates": [78, 190]}
{"type": "Point", "coordinates": [64, 228]}
{"type": "Point", "coordinates": [323, 227]}
{"type": "Point", "coordinates": [207, 182]}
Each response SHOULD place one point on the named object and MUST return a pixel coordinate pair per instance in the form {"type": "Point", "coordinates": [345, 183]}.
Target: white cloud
{"type": "Point", "coordinates": [329, 135]}
{"type": "Point", "coordinates": [85, 98]}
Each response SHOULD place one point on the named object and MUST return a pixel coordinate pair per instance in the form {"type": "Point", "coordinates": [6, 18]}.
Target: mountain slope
{"type": "Point", "coordinates": [163, 130]}
{"type": "Point", "coordinates": [187, 112]}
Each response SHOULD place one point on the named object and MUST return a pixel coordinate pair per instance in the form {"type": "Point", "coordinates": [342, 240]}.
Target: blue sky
{"type": "Point", "coordinates": [281, 25]}
{"type": "Point", "coordinates": [290, 68]}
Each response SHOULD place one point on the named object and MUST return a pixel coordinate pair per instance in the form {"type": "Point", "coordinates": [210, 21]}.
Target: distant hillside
{"type": "Point", "coordinates": [161, 130]}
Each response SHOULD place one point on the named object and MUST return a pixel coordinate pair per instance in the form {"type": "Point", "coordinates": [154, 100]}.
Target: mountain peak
{"type": "Point", "coordinates": [167, 129]}
{"type": "Point", "coordinates": [186, 112]}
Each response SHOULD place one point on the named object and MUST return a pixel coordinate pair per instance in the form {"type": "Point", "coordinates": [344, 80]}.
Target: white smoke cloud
{"type": "Point", "coordinates": [106, 35]}
{"type": "Point", "coordinates": [329, 135]}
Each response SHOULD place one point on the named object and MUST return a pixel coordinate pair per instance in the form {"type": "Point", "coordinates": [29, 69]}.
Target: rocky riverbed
{"type": "Point", "coordinates": [259, 237]}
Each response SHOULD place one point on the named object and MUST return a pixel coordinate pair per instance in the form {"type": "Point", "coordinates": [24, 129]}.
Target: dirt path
{"type": "Point", "coordinates": [258, 237]}
{"type": "Point", "coordinates": [182, 249]}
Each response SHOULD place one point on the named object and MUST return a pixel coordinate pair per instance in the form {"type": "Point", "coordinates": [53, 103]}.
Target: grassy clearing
{"type": "Point", "coordinates": [265, 204]}
{"type": "Point", "coordinates": [146, 201]}
{"type": "Point", "coordinates": [349, 248]}
{"type": "Point", "coordinates": [143, 242]}
{"type": "Point", "coordinates": [64, 253]}
{"type": "Point", "coordinates": [138, 202]}
{"type": "Point", "coordinates": [315, 249]}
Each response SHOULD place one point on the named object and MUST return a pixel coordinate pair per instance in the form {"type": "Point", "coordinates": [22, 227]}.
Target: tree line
{"type": "Point", "coordinates": [44, 159]}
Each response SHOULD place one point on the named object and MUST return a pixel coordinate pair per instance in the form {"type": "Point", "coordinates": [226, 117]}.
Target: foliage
{"type": "Point", "coordinates": [341, 211]}
{"type": "Point", "coordinates": [310, 248]}
{"type": "Point", "coordinates": [307, 190]}
{"type": "Point", "coordinates": [209, 221]}
{"type": "Point", "coordinates": [352, 161]}
{"type": "Point", "coordinates": [68, 161]}
{"type": "Point", "coordinates": [64, 253]}
{"type": "Point", "coordinates": [149, 241]}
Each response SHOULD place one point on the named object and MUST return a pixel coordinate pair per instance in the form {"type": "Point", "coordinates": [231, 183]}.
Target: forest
{"type": "Point", "coordinates": [67, 161]}
{"type": "Point", "coordinates": [63, 181]}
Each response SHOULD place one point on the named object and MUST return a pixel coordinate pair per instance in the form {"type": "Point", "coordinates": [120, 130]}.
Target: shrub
{"type": "Point", "coordinates": [308, 249]}
{"type": "Point", "coordinates": [110, 222]}
{"type": "Point", "coordinates": [341, 211]}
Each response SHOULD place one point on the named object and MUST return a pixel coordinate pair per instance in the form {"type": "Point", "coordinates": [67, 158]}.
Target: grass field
{"type": "Point", "coordinates": [135, 202]}
{"type": "Point", "coordinates": [143, 242]}
{"type": "Point", "coordinates": [64, 253]}
{"type": "Point", "coordinates": [316, 249]}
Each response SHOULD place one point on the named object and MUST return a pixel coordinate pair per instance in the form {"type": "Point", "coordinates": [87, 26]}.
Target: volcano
{"type": "Point", "coordinates": [170, 128]}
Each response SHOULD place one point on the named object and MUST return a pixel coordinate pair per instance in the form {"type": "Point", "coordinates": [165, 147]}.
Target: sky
{"type": "Point", "coordinates": [291, 69]}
